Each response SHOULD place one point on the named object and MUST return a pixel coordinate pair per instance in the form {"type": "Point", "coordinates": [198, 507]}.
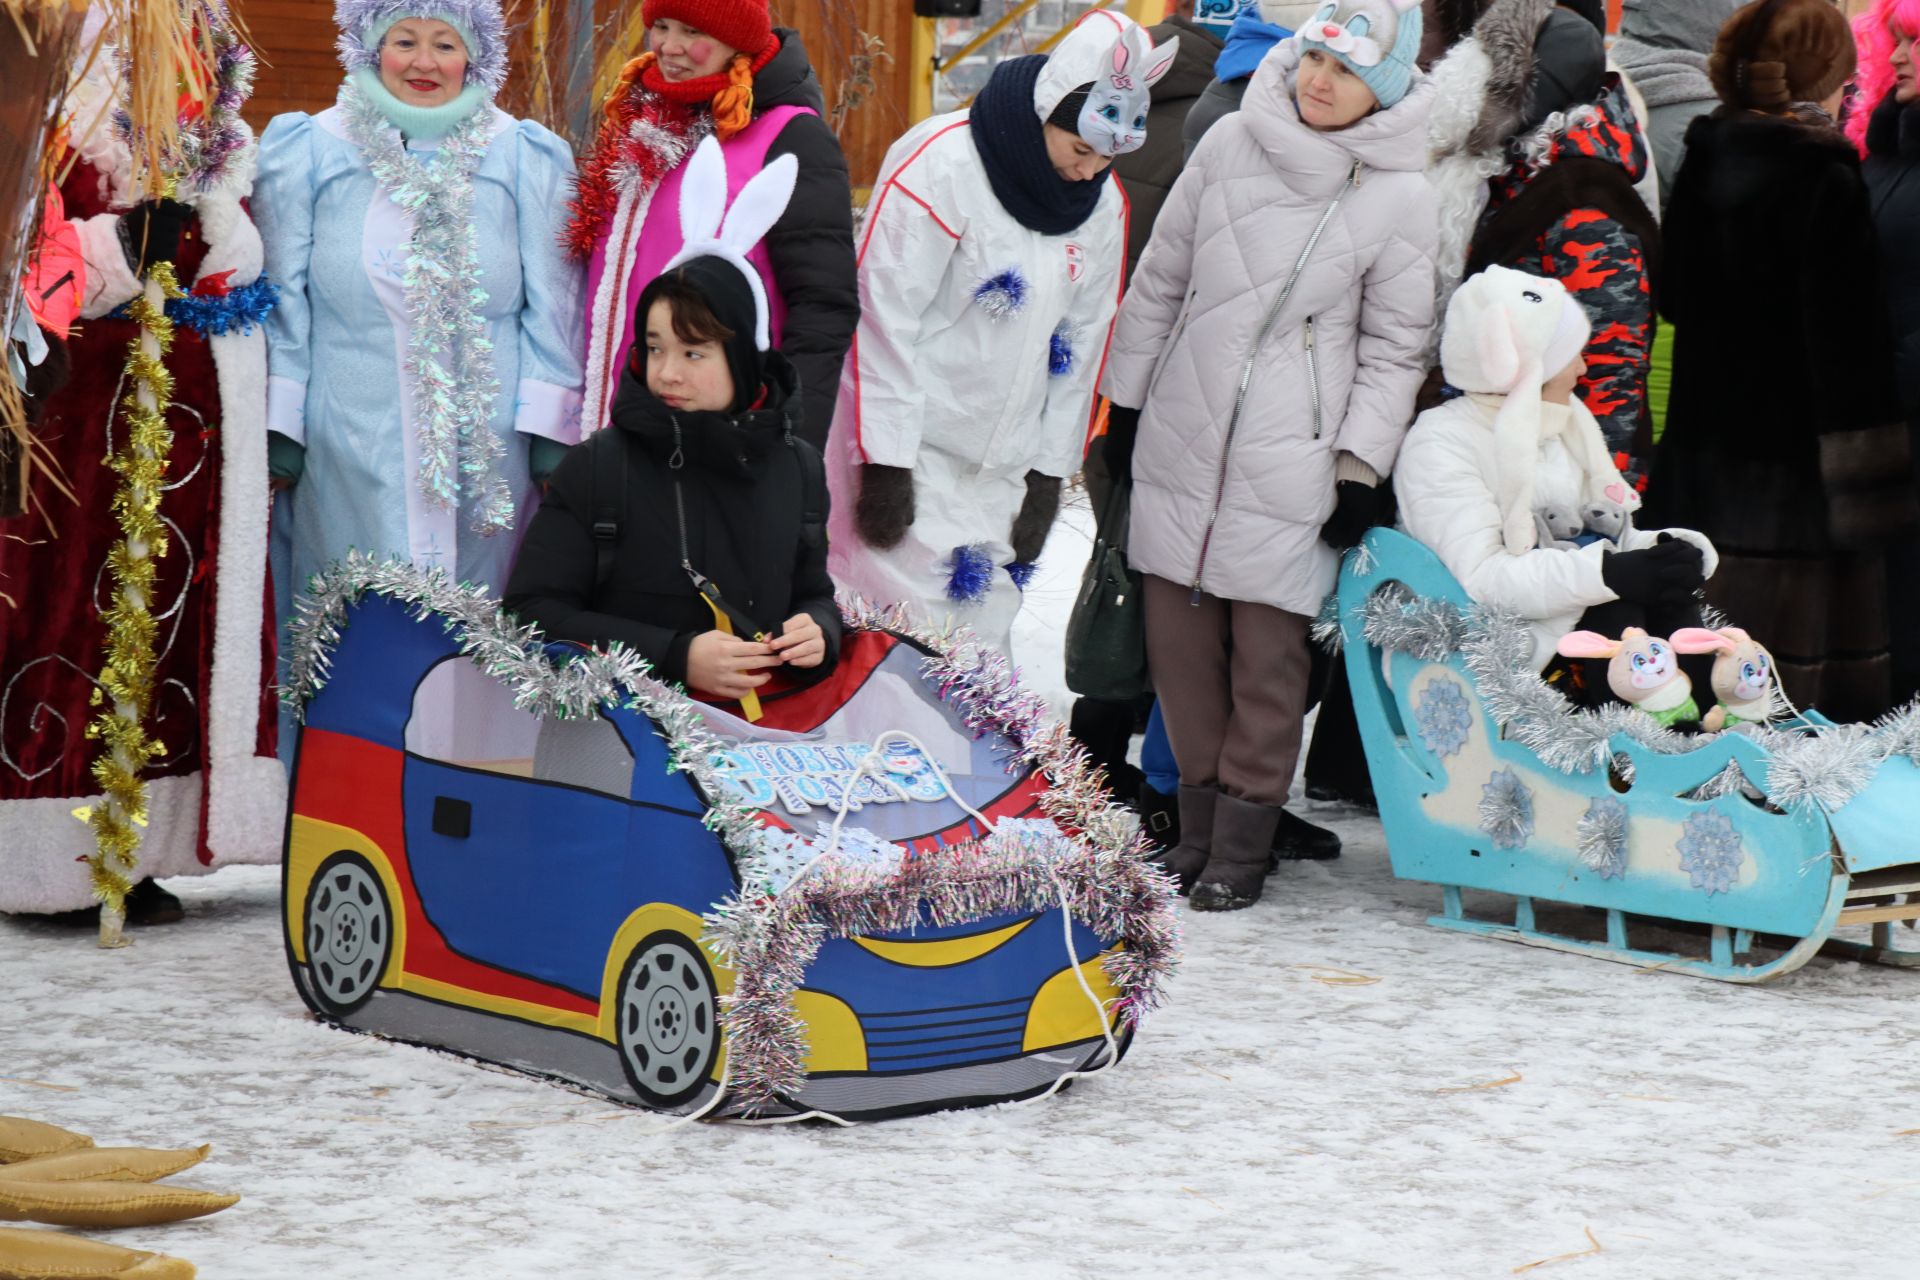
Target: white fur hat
{"type": "Point", "coordinates": [1507, 333]}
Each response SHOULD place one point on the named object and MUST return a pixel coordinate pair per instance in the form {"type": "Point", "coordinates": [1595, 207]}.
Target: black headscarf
{"type": "Point", "coordinates": [730, 299]}
{"type": "Point", "coordinates": [1012, 144]}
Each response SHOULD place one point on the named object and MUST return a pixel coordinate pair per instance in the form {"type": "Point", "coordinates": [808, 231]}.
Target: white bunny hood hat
{"type": "Point", "coordinates": [1507, 333]}
{"type": "Point", "coordinates": [713, 230]}
{"type": "Point", "coordinates": [1115, 55]}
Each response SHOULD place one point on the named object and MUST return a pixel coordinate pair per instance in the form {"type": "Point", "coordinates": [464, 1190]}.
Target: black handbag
{"type": "Point", "coordinates": [1107, 634]}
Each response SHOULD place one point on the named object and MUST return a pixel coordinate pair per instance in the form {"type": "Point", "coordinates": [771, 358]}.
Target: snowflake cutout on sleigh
{"type": "Point", "coordinates": [1711, 852]}
{"type": "Point", "coordinates": [1506, 810]}
{"type": "Point", "coordinates": [1603, 837]}
{"type": "Point", "coordinates": [1443, 717]}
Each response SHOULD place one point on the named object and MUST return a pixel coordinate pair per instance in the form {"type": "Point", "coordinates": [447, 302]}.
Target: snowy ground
{"type": "Point", "coordinates": [1334, 1089]}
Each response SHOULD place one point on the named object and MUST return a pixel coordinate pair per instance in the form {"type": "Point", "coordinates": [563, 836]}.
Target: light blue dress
{"type": "Point", "coordinates": [337, 344]}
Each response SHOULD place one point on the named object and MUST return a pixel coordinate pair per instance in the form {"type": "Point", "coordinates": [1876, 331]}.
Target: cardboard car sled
{"type": "Point", "coordinates": [1759, 842]}
{"type": "Point", "coordinates": [540, 857]}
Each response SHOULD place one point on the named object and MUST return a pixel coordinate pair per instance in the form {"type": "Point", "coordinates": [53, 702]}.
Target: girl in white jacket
{"type": "Point", "coordinates": [1269, 353]}
{"type": "Point", "coordinates": [990, 270]}
{"type": "Point", "coordinates": [1475, 471]}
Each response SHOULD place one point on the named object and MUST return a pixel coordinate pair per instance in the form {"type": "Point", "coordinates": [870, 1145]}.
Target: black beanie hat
{"type": "Point", "coordinates": [1066, 114]}
{"type": "Point", "coordinates": [730, 298]}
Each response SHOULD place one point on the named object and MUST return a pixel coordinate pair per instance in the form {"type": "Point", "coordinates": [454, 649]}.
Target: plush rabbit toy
{"type": "Point", "coordinates": [1743, 675]}
{"type": "Point", "coordinates": [1644, 672]}
{"type": "Point", "coordinates": [715, 231]}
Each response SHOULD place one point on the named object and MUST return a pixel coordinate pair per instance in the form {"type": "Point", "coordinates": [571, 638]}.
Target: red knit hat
{"type": "Point", "coordinates": [743, 24]}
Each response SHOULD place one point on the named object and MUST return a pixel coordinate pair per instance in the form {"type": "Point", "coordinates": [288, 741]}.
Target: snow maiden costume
{"type": "Point", "coordinates": [988, 287]}
{"type": "Point", "coordinates": [216, 794]}
{"type": "Point", "coordinates": [627, 205]}
{"type": "Point", "coordinates": [428, 332]}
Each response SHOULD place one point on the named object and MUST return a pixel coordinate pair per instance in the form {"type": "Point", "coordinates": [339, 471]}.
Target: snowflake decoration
{"type": "Point", "coordinates": [1603, 837]}
{"type": "Point", "coordinates": [1711, 852]}
{"type": "Point", "coordinates": [1506, 810]}
{"type": "Point", "coordinates": [1443, 717]}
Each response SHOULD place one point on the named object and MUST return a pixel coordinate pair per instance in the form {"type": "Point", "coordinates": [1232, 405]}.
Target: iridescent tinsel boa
{"type": "Point", "coordinates": [1092, 855]}
{"type": "Point", "coordinates": [1825, 766]}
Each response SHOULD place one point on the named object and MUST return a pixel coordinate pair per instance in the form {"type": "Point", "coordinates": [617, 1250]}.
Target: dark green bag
{"type": "Point", "coordinates": [1107, 634]}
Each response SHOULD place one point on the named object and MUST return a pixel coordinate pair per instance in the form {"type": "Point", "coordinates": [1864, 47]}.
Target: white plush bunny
{"type": "Point", "coordinates": [712, 230]}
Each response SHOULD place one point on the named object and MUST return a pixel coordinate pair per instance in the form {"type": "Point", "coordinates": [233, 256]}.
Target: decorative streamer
{"type": "Point", "coordinates": [770, 930]}
{"type": "Point", "coordinates": [126, 685]}
{"type": "Point", "coordinates": [449, 355]}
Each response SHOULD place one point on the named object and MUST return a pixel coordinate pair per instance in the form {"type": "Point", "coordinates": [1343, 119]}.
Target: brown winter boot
{"type": "Point", "coordinates": [1243, 837]}
{"type": "Point", "coordinates": [1187, 859]}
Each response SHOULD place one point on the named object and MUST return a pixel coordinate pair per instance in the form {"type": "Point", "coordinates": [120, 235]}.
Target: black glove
{"type": "Point", "coordinates": [884, 511]}
{"type": "Point", "coordinates": [1030, 527]}
{"type": "Point", "coordinates": [1356, 509]}
{"type": "Point", "coordinates": [1123, 428]}
{"type": "Point", "coordinates": [1669, 572]}
{"type": "Point", "coordinates": [150, 232]}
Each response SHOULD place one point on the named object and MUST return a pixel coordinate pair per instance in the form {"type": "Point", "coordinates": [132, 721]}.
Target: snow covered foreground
{"type": "Point", "coordinates": [1334, 1089]}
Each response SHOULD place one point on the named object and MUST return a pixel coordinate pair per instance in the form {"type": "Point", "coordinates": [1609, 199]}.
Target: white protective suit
{"type": "Point", "coordinates": [948, 379]}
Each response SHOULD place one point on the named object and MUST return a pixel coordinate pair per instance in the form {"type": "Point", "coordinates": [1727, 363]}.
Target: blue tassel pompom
{"type": "Point", "coordinates": [1002, 295]}
{"type": "Point", "coordinates": [1060, 352]}
{"type": "Point", "coordinates": [970, 576]}
{"type": "Point", "coordinates": [1022, 572]}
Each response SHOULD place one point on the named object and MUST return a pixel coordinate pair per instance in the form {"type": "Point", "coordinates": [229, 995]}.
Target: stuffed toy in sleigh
{"type": "Point", "coordinates": [901, 890]}
{"type": "Point", "coordinates": [1760, 841]}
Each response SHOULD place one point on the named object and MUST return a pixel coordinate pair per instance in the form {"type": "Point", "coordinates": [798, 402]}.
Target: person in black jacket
{"type": "Point", "coordinates": [719, 496]}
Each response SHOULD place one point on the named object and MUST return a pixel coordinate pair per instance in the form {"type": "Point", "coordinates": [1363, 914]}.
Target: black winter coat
{"type": "Point", "coordinates": [1148, 173]}
{"type": "Point", "coordinates": [1892, 172]}
{"type": "Point", "coordinates": [743, 483]}
{"type": "Point", "coordinates": [811, 246]}
{"type": "Point", "coordinates": [1781, 346]}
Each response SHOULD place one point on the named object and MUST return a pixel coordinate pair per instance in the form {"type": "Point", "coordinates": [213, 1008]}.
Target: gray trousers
{"type": "Point", "coordinates": [1232, 680]}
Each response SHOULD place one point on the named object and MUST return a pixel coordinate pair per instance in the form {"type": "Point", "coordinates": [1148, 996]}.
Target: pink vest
{"type": "Point", "coordinates": [660, 237]}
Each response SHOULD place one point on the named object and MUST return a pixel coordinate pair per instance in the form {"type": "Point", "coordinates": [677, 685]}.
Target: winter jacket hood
{"type": "Point", "coordinates": [1602, 130]}
{"type": "Point", "coordinates": [788, 80]}
{"type": "Point", "coordinates": [1393, 140]}
{"type": "Point", "coordinates": [1234, 497]}
{"type": "Point", "coordinates": [725, 443]}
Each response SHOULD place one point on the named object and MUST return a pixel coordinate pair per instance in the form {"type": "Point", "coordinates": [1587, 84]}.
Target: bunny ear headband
{"type": "Point", "coordinates": [1116, 57]}
{"type": "Point", "coordinates": [712, 230]}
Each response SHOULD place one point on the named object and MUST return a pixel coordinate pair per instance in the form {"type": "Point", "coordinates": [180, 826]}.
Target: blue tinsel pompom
{"type": "Point", "coordinates": [1059, 354]}
{"type": "Point", "coordinates": [1022, 573]}
{"type": "Point", "coordinates": [971, 575]}
{"type": "Point", "coordinates": [1003, 294]}
{"type": "Point", "coordinates": [213, 317]}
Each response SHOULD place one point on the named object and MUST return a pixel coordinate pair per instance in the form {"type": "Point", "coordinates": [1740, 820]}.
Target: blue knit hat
{"type": "Point", "coordinates": [1377, 39]}
{"type": "Point", "coordinates": [1217, 15]}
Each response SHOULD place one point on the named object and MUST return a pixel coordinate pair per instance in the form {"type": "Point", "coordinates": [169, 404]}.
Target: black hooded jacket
{"type": "Point", "coordinates": [811, 246]}
{"type": "Point", "coordinates": [744, 484]}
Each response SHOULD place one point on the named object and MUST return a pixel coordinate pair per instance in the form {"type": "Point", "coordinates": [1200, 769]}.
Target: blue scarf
{"type": "Point", "coordinates": [1008, 134]}
{"type": "Point", "coordinates": [418, 124]}
{"type": "Point", "coordinates": [1248, 41]}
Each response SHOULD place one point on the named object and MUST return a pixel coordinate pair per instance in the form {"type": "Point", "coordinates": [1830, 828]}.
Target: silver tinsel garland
{"type": "Point", "coordinates": [449, 355]}
{"type": "Point", "coordinates": [1096, 858]}
{"type": "Point", "coordinates": [1824, 766]}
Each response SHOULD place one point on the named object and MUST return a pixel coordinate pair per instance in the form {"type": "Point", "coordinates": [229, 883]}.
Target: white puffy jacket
{"type": "Point", "coordinates": [1447, 501]}
{"type": "Point", "coordinates": [1230, 495]}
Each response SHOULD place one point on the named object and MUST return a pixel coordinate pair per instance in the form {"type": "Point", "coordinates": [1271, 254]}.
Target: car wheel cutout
{"type": "Point", "coordinates": [348, 927]}
{"type": "Point", "coordinates": [668, 1028]}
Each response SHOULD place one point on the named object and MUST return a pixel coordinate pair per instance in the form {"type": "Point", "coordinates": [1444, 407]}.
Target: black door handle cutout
{"type": "Point", "coordinates": [452, 817]}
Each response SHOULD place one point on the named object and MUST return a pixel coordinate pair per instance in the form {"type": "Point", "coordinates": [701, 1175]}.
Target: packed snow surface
{"type": "Point", "coordinates": [1334, 1088]}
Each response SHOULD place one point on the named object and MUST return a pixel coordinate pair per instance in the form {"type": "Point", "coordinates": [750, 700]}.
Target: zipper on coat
{"type": "Point", "coordinates": [1246, 375]}
{"type": "Point", "coordinates": [1313, 379]}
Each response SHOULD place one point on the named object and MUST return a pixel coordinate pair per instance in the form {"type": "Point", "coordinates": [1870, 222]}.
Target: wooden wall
{"type": "Point", "coordinates": [300, 72]}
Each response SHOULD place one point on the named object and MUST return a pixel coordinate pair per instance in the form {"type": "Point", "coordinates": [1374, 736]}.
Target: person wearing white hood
{"type": "Point", "coordinates": [1267, 357]}
{"type": "Point", "coordinates": [1475, 471]}
{"type": "Point", "coordinates": [990, 270]}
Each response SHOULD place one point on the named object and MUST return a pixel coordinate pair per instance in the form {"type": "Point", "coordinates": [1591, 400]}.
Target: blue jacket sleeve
{"type": "Point", "coordinates": [552, 324]}
{"type": "Point", "coordinates": [282, 209]}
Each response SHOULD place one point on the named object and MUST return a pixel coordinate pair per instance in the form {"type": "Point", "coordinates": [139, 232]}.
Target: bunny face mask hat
{"type": "Point", "coordinates": [1098, 83]}
{"type": "Point", "coordinates": [718, 239]}
{"type": "Point", "coordinates": [1507, 333]}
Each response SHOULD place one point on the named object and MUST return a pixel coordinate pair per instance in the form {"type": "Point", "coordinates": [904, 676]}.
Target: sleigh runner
{"type": "Point", "coordinates": [1766, 840]}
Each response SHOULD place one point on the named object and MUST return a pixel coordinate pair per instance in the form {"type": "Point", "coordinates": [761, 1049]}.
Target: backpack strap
{"type": "Point", "coordinates": [609, 505]}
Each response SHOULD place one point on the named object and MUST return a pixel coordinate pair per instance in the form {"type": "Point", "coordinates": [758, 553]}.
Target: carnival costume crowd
{"type": "Point", "coordinates": [1619, 329]}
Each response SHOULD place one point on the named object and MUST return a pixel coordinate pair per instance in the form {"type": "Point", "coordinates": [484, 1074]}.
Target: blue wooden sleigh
{"type": "Point", "coordinates": [1766, 885]}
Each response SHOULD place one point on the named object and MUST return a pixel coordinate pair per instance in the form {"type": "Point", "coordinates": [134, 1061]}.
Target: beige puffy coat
{"type": "Point", "coordinates": [1234, 503]}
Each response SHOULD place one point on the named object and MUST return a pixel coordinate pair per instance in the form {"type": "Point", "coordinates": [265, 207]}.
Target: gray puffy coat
{"type": "Point", "coordinates": [1235, 505]}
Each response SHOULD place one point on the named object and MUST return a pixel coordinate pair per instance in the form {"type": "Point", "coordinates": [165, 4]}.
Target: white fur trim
{"type": "Point", "coordinates": [246, 804]}
{"type": "Point", "coordinates": [1460, 88]}
{"type": "Point", "coordinates": [110, 279]}
{"type": "Point", "coordinates": [45, 860]}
